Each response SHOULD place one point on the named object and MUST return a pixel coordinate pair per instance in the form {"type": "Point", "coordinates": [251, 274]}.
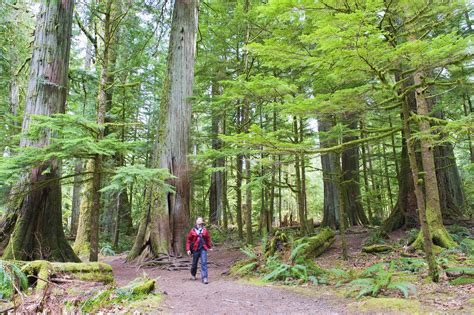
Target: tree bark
{"type": "Point", "coordinates": [434, 219]}
{"type": "Point", "coordinates": [76, 197]}
{"type": "Point", "coordinates": [165, 223]}
{"type": "Point", "coordinates": [216, 189]}
{"type": "Point", "coordinates": [38, 232]}
{"type": "Point", "coordinates": [330, 180]}
{"type": "Point", "coordinates": [350, 185]}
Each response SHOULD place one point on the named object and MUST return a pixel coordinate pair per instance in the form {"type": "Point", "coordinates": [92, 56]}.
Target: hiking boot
{"type": "Point", "coordinates": [205, 281]}
{"type": "Point", "coordinates": [193, 277]}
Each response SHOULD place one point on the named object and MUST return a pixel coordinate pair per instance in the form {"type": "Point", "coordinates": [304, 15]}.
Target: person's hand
{"type": "Point", "coordinates": [189, 253]}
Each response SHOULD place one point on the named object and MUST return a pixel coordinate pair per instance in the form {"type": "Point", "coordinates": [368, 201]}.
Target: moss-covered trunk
{"type": "Point", "coordinates": [38, 231]}
{"type": "Point", "coordinates": [434, 219]}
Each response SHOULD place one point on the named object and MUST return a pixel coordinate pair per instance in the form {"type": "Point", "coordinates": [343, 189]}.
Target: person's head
{"type": "Point", "coordinates": [199, 221]}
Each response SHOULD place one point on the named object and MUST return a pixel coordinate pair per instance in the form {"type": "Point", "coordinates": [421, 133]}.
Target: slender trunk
{"type": "Point", "coordinates": [387, 177]}
{"type": "Point", "coordinates": [76, 197]}
{"type": "Point", "coordinates": [238, 192]}
{"type": "Point", "coordinates": [434, 219]}
{"type": "Point", "coordinates": [420, 197]}
{"type": "Point", "coordinates": [365, 172]}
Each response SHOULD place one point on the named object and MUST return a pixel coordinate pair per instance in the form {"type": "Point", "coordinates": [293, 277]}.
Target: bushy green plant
{"type": "Point", "coordinates": [107, 250]}
{"type": "Point", "coordinates": [376, 279]}
{"type": "Point", "coordinates": [458, 233]}
{"type": "Point", "coordinates": [408, 264]}
{"type": "Point", "coordinates": [376, 237]}
{"type": "Point", "coordinates": [135, 290]}
{"type": "Point", "coordinates": [12, 280]}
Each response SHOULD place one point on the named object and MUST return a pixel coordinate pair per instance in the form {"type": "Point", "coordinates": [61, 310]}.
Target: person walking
{"type": "Point", "coordinates": [198, 243]}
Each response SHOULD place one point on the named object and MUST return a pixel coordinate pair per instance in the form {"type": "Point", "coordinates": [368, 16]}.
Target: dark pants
{"type": "Point", "coordinates": [200, 253]}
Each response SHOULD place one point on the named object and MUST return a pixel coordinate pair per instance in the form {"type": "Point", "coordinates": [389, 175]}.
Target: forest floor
{"type": "Point", "coordinates": [228, 295]}
{"type": "Point", "coordinates": [176, 293]}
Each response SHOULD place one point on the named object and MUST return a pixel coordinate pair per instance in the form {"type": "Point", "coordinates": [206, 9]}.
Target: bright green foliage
{"type": "Point", "coordinates": [377, 279]}
{"type": "Point", "coordinates": [12, 280]}
{"type": "Point", "coordinates": [134, 291]}
{"type": "Point", "coordinates": [298, 268]}
{"type": "Point", "coordinates": [106, 250]}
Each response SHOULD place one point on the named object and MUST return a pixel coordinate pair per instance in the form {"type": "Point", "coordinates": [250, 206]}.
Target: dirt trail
{"type": "Point", "coordinates": [224, 295]}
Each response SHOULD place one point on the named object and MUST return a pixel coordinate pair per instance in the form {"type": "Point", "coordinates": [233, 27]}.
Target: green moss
{"type": "Point", "coordinates": [462, 280]}
{"type": "Point", "coordinates": [253, 281]}
{"type": "Point", "coordinates": [148, 305]}
{"type": "Point", "coordinates": [393, 305]}
{"type": "Point", "coordinates": [377, 248]}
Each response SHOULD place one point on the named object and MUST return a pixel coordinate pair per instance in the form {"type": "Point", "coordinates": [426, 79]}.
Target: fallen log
{"type": "Point", "coordinates": [44, 270]}
{"type": "Point", "coordinates": [316, 245]}
{"type": "Point", "coordinates": [377, 248]}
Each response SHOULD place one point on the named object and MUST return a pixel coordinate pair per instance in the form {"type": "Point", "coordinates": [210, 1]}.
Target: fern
{"type": "Point", "coordinates": [12, 280]}
{"type": "Point", "coordinates": [247, 268]}
{"type": "Point", "coordinates": [249, 252]}
{"type": "Point", "coordinates": [295, 251]}
{"type": "Point", "coordinates": [404, 287]}
{"type": "Point", "coordinates": [279, 273]}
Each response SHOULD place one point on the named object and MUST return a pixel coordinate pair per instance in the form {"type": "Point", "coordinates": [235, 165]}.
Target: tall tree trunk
{"type": "Point", "coordinates": [38, 232]}
{"type": "Point", "coordinates": [404, 214]}
{"type": "Point", "coordinates": [366, 174]}
{"type": "Point", "coordinates": [329, 164]}
{"type": "Point", "coordinates": [434, 219]}
{"type": "Point", "coordinates": [216, 189]}
{"type": "Point", "coordinates": [350, 186]}
{"type": "Point", "coordinates": [420, 196]}
{"type": "Point", "coordinates": [76, 197]}
{"type": "Point", "coordinates": [164, 226]}
{"type": "Point", "coordinates": [89, 225]}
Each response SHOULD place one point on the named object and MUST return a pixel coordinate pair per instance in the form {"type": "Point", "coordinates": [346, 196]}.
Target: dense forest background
{"type": "Point", "coordinates": [122, 121]}
{"type": "Point", "coordinates": [296, 112]}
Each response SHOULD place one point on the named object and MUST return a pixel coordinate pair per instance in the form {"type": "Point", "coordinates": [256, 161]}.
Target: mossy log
{"type": "Point", "coordinates": [48, 271]}
{"type": "Point", "coordinates": [377, 248]}
{"type": "Point", "coordinates": [318, 244]}
{"type": "Point", "coordinates": [276, 243]}
{"type": "Point", "coordinates": [144, 287]}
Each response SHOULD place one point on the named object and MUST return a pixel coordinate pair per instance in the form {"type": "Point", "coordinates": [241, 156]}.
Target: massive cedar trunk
{"type": "Point", "coordinates": [330, 180]}
{"type": "Point", "coordinates": [38, 231]}
{"type": "Point", "coordinates": [165, 221]}
{"type": "Point", "coordinates": [350, 186]}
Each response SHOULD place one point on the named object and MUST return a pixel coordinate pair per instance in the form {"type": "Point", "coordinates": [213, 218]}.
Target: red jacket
{"type": "Point", "coordinates": [194, 239]}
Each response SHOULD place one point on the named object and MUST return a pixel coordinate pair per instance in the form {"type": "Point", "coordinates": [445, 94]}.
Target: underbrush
{"type": "Point", "coordinates": [284, 259]}
{"type": "Point", "coordinates": [291, 265]}
{"type": "Point", "coordinates": [12, 280]}
{"type": "Point", "coordinates": [137, 290]}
